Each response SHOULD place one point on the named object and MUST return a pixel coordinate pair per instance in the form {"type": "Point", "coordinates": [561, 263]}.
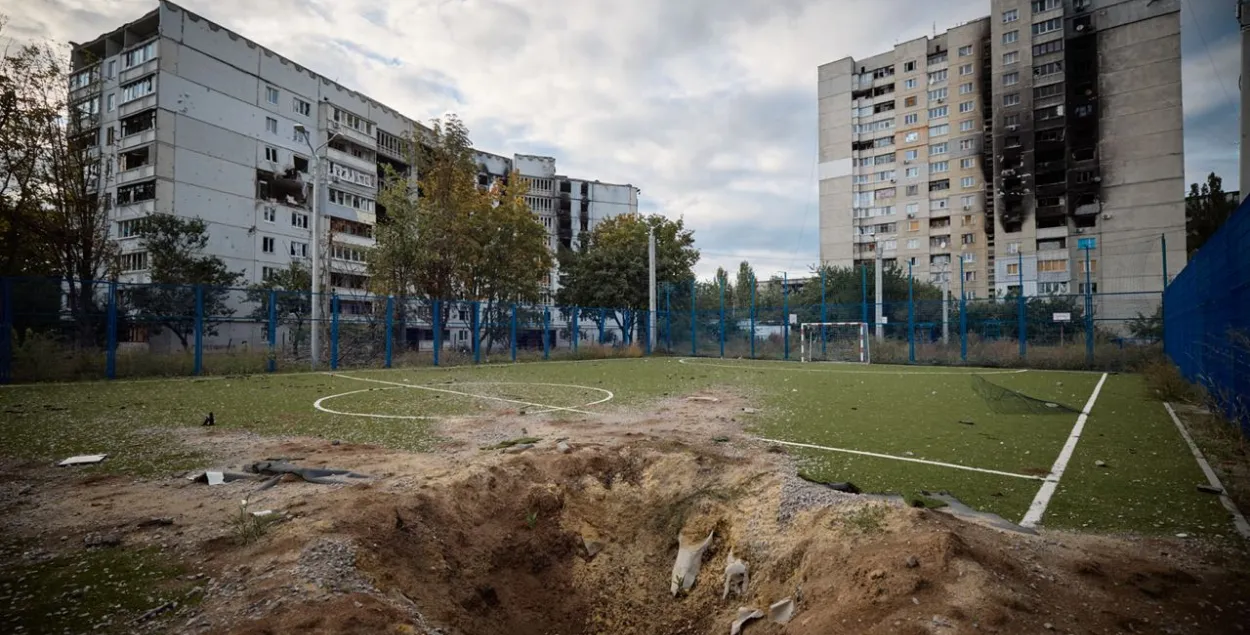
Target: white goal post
{"type": "Point", "coordinates": [834, 342]}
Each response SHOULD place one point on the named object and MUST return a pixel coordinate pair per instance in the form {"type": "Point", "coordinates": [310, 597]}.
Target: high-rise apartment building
{"type": "Point", "coordinates": [191, 119]}
{"type": "Point", "coordinates": [902, 171]}
{"type": "Point", "coordinates": [1076, 143]}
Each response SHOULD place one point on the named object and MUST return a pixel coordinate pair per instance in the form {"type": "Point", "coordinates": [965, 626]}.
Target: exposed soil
{"type": "Point", "coordinates": [470, 541]}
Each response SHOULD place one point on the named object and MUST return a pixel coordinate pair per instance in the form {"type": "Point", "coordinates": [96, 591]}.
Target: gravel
{"type": "Point", "coordinates": [798, 495]}
{"type": "Point", "coordinates": [330, 563]}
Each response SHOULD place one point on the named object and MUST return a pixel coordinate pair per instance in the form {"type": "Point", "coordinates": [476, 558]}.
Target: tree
{"type": "Point", "coordinates": [52, 220]}
{"type": "Point", "coordinates": [1206, 209]}
{"type": "Point", "coordinates": [743, 286]}
{"type": "Point", "coordinates": [447, 237]}
{"type": "Point", "coordinates": [289, 289]}
{"type": "Point", "coordinates": [178, 268]}
{"type": "Point", "coordinates": [1148, 327]}
{"type": "Point", "coordinates": [610, 268]}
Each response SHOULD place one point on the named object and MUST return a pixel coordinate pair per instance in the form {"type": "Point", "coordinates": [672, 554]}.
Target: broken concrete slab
{"type": "Point", "coordinates": [518, 448]}
{"type": "Point", "coordinates": [319, 475]}
{"type": "Point", "coordinates": [82, 459]}
{"type": "Point", "coordinates": [958, 509]}
{"type": "Point", "coordinates": [781, 611]}
{"type": "Point", "coordinates": [214, 477]}
{"type": "Point", "coordinates": [563, 447]}
{"type": "Point", "coordinates": [689, 561]}
{"type": "Point", "coordinates": [745, 614]}
{"type": "Point", "coordinates": [1210, 489]}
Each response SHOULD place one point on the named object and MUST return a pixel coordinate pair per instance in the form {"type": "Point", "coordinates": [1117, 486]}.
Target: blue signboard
{"type": "Point", "coordinates": [1087, 243]}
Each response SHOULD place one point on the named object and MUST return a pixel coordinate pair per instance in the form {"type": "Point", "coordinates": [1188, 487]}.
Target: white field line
{"type": "Point", "coordinates": [548, 407]}
{"type": "Point", "coordinates": [318, 406]}
{"type": "Point", "coordinates": [1239, 521]}
{"type": "Point", "coordinates": [689, 361]}
{"type": "Point", "coordinates": [1042, 500]}
{"type": "Point", "coordinates": [902, 458]}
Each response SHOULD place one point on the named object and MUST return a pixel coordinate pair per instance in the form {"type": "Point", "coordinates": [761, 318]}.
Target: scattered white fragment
{"type": "Point", "coordinates": [689, 560]}
{"type": "Point", "coordinates": [749, 411]}
{"type": "Point", "coordinates": [262, 513]}
{"type": "Point", "coordinates": [84, 459]}
{"type": "Point", "coordinates": [217, 478]}
{"type": "Point", "coordinates": [781, 611]}
{"type": "Point", "coordinates": [735, 576]}
{"type": "Point", "coordinates": [701, 398]}
{"type": "Point", "coordinates": [745, 615]}
{"type": "Point", "coordinates": [564, 447]}
{"type": "Point", "coordinates": [1182, 535]}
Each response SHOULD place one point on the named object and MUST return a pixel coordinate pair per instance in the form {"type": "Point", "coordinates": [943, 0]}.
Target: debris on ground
{"type": "Point", "coordinates": [168, 606]}
{"type": "Point", "coordinates": [735, 576]}
{"type": "Point", "coordinates": [1210, 489]}
{"type": "Point", "coordinates": [95, 540]}
{"type": "Point", "coordinates": [318, 475]}
{"type": "Point", "coordinates": [967, 422]}
{"type": "Point", "coordinates": [82, 459]}
{"type": "Point", "coordinates": [781, 611]}
{"type": "Point", "coordinates": [837, 486]}
{"type": "Point", "coordinates": [750, 411]}
{"type": "Point", "coordinates": [507, 443]}
{"type": "Point", "coordinates": [209, 420]}
{"type": "Point", "coordinates": [703, 398]}
{"type": "Point", "coordinates": [720, 439]}
{"type": "Point", "coordinates": [164, 521]}
{"type": "Point", "coordinates": [213, 477]}
{"type": "Point", "coordinates": [956, 508]}
{"type": "Point", "coordinates": [1100, 463]}
{"type": "Point", "coordinates": [912, 562]}
{"type": "Point", "coordinates": [689, 561]}
{"type": "Point", "coordinates": [745, 615]}
{"type": "Point", "coordinates": [563, 447]}
{"type": "Point", "coordinates": [519, 448]}
{"type": "Point", "coordinates": [593, 546]}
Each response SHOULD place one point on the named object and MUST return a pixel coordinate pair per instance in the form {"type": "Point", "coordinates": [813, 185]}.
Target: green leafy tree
{"type": "Point", "coordinates": [743, 284]}
{"type": "Point", "coordinates": [289, 291]}
{"type": "Point", "coordinates": [610, 269]}
{"type": "Point", "coordinates": [178, 267]}
{"type": "Point", "coordinates": [1206, 208]}
{"type": "Point", "coordinates": [1148, 327]}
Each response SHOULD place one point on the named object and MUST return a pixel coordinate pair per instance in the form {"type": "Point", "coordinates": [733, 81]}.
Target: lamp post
{"type": "Point", "coordinates": [315, 351]}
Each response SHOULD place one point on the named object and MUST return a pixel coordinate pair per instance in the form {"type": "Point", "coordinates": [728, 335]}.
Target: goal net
{"type": "Point", "coordinates": [834, 342]}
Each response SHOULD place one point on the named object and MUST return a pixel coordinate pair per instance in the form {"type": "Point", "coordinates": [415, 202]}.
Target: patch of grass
{"type": "Point", "coordinates": [247, 527]}
{"type": "Point", "coordinates": [97, 590]}
{"type": "Point", "coordinates": [1165, 382]}
{"type": "Point", "coordinates": [864, 521]}
{"type": "Point", "coordinates": [1149, 483]}
{"type": "Point", "coordinates": [531, 520]}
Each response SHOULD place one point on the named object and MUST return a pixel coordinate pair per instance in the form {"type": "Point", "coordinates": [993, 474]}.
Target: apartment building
{"type": "Point", "coordinates": [902, 170]}
{"type": "Point", "coordinates": [1073, 114]}
{"type": "Point", "coordinates": [189, 118]}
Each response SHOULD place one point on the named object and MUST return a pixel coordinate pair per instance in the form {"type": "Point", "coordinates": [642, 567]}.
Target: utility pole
{"type": "Point", "coordinates": [1243, 18]}
{"type": "Point", "coordinates": [880, 311]}
{"type": "Point", "coordinates": [315, 286]}
{"type": "Point", "coordinates": [651, 279]}
{"type": "Point", "coordinates": [946, 305]}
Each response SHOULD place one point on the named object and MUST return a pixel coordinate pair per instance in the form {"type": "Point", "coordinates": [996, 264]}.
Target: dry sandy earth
{"type": "Point", "coordinates": [470, 541]}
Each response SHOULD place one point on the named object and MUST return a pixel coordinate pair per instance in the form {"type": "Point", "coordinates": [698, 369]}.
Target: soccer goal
{"type": "Point", "coordinates": [834, 342]}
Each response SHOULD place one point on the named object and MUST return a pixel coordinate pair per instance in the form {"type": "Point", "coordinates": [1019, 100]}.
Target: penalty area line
{"type": "Point", "coordinates": [903, 458]}
{"type": "Point", "coordinates": [549, 407]}
{"type": "Point", "coordinates": [1042, 500]}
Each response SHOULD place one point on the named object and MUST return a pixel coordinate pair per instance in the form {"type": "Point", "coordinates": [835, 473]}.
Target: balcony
{"type": "Point", "coordinates": [136, 140]}
{"type": "Point", "coordinates": [1052, 232]}
{"type": "Point", "coordinates": [355, 136]}
{"type": "Point", "coordinates": [351, 161]}
{"type": "Point", "coordinates": [137, 105]}
{"type": "Point", "coordinates": [138, 70]}
{"type": "Point", "coordinates": [345, 238]}
{"type": "Point", "coordinates": [142, 208]}
{"type": "Point", "coordinates": [136, 174]}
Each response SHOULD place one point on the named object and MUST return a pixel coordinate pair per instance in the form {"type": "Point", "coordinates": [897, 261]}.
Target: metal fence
{"type": "Point", "coordinates": [1207, 318]}
{"type": "Point", "coordinates": [61, 330]}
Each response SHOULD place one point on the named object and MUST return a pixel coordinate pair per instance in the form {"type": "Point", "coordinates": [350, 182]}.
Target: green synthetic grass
{"type": "Point", "coordinates": [921, 412]}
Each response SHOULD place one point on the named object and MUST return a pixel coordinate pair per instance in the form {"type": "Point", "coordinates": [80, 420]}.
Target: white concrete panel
{"type": "Point", "coordinates": [214, 141]}
{"type": "Point", "coordinates": [194, 168]}
{"type": "Point", "coordinates": [224, 45]}
{"type": "Point", "coordinates": [206, 71]}
{"type": "Point", "coordinates": [213, 206]}
{"type": "Point", "coordinates": [835, 169]}
{"type": "Point", "coordinates": [288, 77]}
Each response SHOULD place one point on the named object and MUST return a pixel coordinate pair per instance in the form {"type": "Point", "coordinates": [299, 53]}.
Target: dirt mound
{"type": "Point", "coordinates": [579, 543]}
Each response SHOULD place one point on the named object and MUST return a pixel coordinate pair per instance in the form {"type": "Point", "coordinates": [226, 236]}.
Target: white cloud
{"type": "Point", "coordinates": [707, 105]}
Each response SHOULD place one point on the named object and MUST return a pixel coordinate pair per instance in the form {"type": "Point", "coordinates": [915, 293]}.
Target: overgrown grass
{"type": "Point", "coordinates": [96, 590]}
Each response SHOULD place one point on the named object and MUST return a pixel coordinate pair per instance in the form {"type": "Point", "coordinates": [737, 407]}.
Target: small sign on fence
{"type": "Point", "coordinates": [1062, 317]}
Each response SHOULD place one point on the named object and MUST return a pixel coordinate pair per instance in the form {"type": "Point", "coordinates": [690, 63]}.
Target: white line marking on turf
{"type": "Point", "coordinates": [902, 458]}
{"type": "Point", "coordinates": [1038, 507]}
{"type": "Point", "coordinates": [318, 406]}
{"type": "Point", "coordinates": [548, 407]}
{"type": "Point", "coordinates": [957, 373]}
{"type": "Point", "coordinates": [1239, 521]}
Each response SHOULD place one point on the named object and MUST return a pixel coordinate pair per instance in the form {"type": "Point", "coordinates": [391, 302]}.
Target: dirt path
{"type": "Point", "coordinates": [541, 541]}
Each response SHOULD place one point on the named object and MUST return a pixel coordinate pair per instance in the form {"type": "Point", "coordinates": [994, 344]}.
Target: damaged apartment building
{"type": "Point", "coordinates": [1015, 143]}
{"type": "Point", "coordinates": [194, 120]}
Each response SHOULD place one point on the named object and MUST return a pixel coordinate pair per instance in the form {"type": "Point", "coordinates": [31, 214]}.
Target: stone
{"type": "Point", "coordinates": [1048, 626]}
{"type": "Point", "coordinates": [689, 561]}
{"type": "Point", "coordinates": [518, 448]}
{"type": "Point", "coordinates": [1100, 463]}
{"type": "Point", "coordinates": [102, 540]}
{"type": "Point", "coordinates": [736, 576]}
{"type": "Point", "coordinates": [876, 574]}
{"type": "Point", "coordinates": [781, 611]}
{"type": "Point", "coordinates": [745, 614]}
{"type": "Point", "coordinates": [336, 442]}
{"type": "Point", "coordinates": [942, 622]}
{"type": "Point", "coordinates": [912, 562]}
{"type": "Point", "coordinates": [564, 447]}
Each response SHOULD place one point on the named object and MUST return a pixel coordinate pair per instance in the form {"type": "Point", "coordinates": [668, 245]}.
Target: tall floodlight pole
{"type": "Point", "coordinates": [651, 281]}
{"type": "Point", "coordinates": [315, 301]}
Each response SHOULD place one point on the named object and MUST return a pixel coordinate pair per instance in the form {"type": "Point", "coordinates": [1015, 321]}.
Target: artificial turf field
{"type": "Point", "coordinates": [909, 428]}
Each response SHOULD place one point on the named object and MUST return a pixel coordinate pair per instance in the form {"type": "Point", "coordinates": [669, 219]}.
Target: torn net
{"type": "Point", "coordinates": [1006, 401]}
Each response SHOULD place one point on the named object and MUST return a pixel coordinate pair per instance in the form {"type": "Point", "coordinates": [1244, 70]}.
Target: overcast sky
{"type": "Point", "coordinates": [709, 106]}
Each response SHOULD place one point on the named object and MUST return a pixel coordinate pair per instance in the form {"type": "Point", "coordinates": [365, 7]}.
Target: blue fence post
{"type": "Point", "coordinates": [575, 332]}
{"type": "Point", "coordinates": [668, 317]}
{"type": "Point", "coordinates": [512, 333]}
{"type": "Point", "coordinates": [646, 329]}
{"type": "Point", "coordinates": [722, 316]}
{"type": "Point", "coordinates": [911, 318]}
{"type": "Point", "coordinates": [1163, 239]}
{"type": "Point", "coordinates": [110, 335]}
{"type": "Point", "coordinates": [273, 331]}
{"type": "Point", "coordinates": [694, 320]}
{"type": "Point", "coordinates": [963, 315]}
{"type": "Point", "coordinates": [6, 331]}
{"type": "Point", "coordinates": [546, 326]}
{"type": "Point", "coordinates": [752, 317]}
{"type": "Point", "coordinates": [1089, 314]}
{"type": "Point", "coordinates": [627, 334]}
{"type": "Point", "coordinates": [475, 324]}
{"type": "Point", "coordinates": [823, 315]}
{"type": "Point", "coordinates": [1023, 328]}
{"type": "Point", "coordinates": [390, 329]}
{"type": "Point", "coordinates": [785, 310]}
{"type": "Point", "coordinates": [334, 332]}
{"type": "Point", "coordinates": [438, 329]}
{"type": "Point", "coordinates": [199, 329]}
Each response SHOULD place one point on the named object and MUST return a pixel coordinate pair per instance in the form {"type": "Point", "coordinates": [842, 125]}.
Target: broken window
{"type": "Point", "coordinates": [135, 193]}
{"type": "Point", "coordinates": [301, 163]}
{"type": "Point", "coordinates": [135, 124]}
{"type": "Point", "coordinates": [287, 188]}
{"type": "Point", "coordinates": [136, 158]}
